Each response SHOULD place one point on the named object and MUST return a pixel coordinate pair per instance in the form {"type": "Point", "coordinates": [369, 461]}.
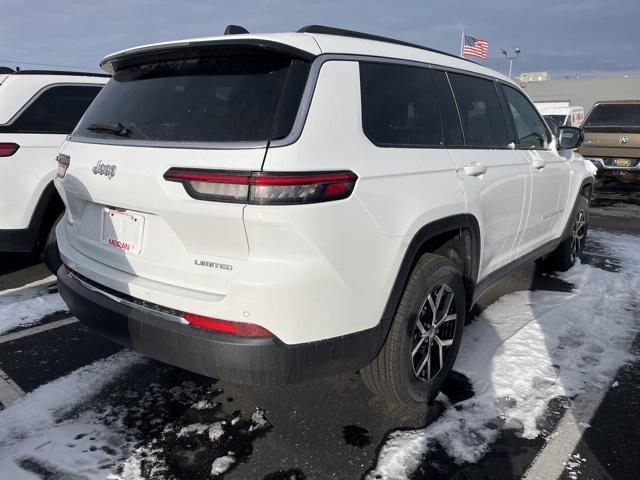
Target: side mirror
{"type": "Point", "coordinates": [569, 137]}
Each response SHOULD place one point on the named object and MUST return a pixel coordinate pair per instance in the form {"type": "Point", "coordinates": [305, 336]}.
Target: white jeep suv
{"type": "Point", "coordinates": [272, 208]}
{"type": "Point", "coordinates": [38, 109]}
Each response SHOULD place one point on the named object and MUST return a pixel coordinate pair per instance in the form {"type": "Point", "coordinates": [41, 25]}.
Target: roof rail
{"type": "Point", "coordinates": [60, 72]}
{"type": "Point", "coordinates": [322, 29]}
{"type": "Point", "coordinates": [6, 70]}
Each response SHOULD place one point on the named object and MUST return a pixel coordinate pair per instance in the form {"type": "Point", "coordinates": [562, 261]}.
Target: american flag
{"type": "Point", "coordinates": [475, 47]}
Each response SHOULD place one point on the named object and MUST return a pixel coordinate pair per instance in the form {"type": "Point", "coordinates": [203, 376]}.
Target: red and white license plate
{"type": "Point", "coordinates": [122, 230]}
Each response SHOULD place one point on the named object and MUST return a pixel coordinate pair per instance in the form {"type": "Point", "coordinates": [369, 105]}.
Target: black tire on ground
{"type": "Point", "coordinates": [435, 291]}
{"type": "Point", "coordinates": [571, 248]}
{"type": "Point", "coordinates": [50, 253]}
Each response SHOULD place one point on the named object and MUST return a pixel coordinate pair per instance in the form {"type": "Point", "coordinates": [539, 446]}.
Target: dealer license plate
{"type": "Point", "coordinates": [122, 230]}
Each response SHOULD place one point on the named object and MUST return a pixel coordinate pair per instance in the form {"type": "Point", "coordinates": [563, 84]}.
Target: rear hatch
{"type": "Point", "coordinates": [215, 108]}
{"type": "Point", "coordinates": [612, 131]}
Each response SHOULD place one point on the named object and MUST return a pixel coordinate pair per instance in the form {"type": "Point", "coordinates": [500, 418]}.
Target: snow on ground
{"type": "Point", "coordinates": [123, 418]}
{"type": "Point", "coordinates": [526, 349]}
{"type": "Point", "coordinates": [28, 304]}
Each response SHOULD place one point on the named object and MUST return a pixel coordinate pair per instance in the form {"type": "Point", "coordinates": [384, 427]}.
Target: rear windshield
{"type": "Point", "coordinates": [614, 117]}
{"type": "Point", "coordinates": [212, 97]}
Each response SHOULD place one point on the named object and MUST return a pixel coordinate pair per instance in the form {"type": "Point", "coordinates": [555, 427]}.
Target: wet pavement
{"type": "Point", "coordinates": [175, 424]}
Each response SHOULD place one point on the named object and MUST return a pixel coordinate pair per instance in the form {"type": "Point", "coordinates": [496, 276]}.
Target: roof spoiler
{"type": "Point", "coordinates": [154, 53]}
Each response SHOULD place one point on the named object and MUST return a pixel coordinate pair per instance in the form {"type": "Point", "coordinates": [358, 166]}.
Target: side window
{"type": "Point", "coordinates": [399, 106]}
{"type": "Point", "coordinates": [482, 118]}
{"type": "Point", "coordinates": [451, 128]}
{"type": "Point", "coordinates": [56, 110]}
{"type": "Point", "coordinates": [530, 130]}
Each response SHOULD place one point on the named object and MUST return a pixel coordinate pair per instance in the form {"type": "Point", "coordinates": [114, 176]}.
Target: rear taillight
{"type": "Point", "coordinates": [8, 149]}
{"type": "Point", "coordinates": [63, 164]}
{"type": "Point", "coordinates": [264, 188]}
{"type": "Point", "coordinates": [224, 326]}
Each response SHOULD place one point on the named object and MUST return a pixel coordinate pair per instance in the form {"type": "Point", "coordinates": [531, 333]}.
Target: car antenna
{"type": "Point", "coordinates": [235, 30]}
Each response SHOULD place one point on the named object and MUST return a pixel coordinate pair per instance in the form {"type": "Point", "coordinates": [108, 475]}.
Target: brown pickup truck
{"type": "Point", "coordinates": [612, 139]}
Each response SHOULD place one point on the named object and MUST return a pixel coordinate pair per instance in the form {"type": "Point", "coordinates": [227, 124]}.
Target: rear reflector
{"type": "Point", "coordinates": [264, 188]}
{"type": "Point", "coordinates": [223, 326]}
{"type": "Point", "coordinates": [63, 164]}
{"type": "Point", "coordinates": [8, 149]}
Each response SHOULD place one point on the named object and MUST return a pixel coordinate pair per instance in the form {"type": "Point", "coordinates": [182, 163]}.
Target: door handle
{"type": "Point", "coordinates": [538, 163]}
{"type": "Point", "coordinates": [475, 169]}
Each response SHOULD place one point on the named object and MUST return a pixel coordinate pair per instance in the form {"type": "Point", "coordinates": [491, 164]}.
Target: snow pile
{"type": "Point", "coordinates": [28, 304]}
{"type": "Point", "coordinates": [119, 419]}
{"type": "Point", "coordinates": [572, 466]}
{"type": "Point", "coordinates": [222, 464]}
{"type": "Point", "coordinates": [33, 434]}
{"type": "Point", "coordinates": [524, 350]}
{"type": "Point", "coordinates": [216, 431]}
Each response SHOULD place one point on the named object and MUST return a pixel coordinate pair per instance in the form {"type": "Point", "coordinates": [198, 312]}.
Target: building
{"type": "Point", "coordinates": [582, 92]}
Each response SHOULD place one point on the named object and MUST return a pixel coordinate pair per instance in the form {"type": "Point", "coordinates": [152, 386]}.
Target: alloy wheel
{"type": "Point", "coordinates": [433, 333]}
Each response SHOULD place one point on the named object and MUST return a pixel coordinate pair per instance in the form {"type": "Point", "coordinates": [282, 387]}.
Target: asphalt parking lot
{"type": "Point", "coordinates": [549, 390]}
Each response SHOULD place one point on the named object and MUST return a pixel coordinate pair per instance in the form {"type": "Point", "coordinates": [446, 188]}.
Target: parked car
{"type": "Point", "coordinates": [279, 207]}
{"type": "Point", "coordinates": [612, 139]}
{"type": "Point", "coordinates": [573, 116]}
{"type": "Point", "coordinates": [38, 109]}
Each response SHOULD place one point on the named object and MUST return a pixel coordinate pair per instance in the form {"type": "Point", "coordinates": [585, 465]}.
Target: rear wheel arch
{"type": "Point", "coordinates": [456, 237]}
{"type": "Point", "coordinates": [48, 209]}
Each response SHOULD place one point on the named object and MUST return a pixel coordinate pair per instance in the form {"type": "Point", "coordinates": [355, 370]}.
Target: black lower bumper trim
{"type": "Point", "coordinates": [22, 240]}
{"type": "Point", "coordinates": [240, 360]}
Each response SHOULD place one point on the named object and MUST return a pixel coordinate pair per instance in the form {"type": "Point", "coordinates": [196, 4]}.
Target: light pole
{"type": "Point", "coordinates": [511, 59]}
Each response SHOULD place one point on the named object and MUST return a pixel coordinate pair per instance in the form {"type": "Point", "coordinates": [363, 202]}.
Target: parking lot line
{"type": "Point", "coordinates": [9, 391]}
{"type": "Point", "coordinates": [39, 329]}
{"type": "Point", "coordinates": [551, 460]}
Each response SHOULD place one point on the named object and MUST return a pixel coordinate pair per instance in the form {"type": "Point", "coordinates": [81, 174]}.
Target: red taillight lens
{"type": "Point", "coordinates": [8, 149]}
{"type": "Point", "coordinates": [224, 326]}
{"type": "Point", "coordinates": [264, 188]}
{"type": "Point", "coordinates": [63, 164]}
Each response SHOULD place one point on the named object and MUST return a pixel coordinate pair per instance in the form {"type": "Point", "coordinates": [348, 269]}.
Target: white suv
{"type": "Point", "coordinates": [38, 109]}
{"type": "Point", "coordinates": [271, 208]}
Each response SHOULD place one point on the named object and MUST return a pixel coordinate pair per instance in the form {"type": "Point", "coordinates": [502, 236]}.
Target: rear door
{"type": "Point", "coordinates": [494, 176]}
{"type": "Point", "coordinates": [211, 110]}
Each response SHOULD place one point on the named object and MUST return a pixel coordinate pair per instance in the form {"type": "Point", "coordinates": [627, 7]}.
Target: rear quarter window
{"type": "Point", "coordinates": [399, 106]}
{"type": "Point", "coordinates": [56, 110]}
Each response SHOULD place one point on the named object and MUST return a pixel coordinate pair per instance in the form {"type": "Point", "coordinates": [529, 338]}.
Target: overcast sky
{"type": "Point", "coordinates": [566, 37]}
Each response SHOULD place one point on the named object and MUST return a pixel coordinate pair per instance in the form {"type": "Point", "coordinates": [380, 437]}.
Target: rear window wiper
{"type": "Point", "coordinates": [114, 127]}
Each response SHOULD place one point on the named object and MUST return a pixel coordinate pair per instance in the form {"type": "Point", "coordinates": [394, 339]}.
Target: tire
{"type": "Point", "coordinates": [50, 253]}
{"type": "Point", "coordinates": [571, 248]}
{"type": "Point", "coordinates": [400, 377]}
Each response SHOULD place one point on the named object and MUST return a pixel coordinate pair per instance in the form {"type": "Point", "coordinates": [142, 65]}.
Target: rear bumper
{"type": "Point", "coordinates": [165, 336]}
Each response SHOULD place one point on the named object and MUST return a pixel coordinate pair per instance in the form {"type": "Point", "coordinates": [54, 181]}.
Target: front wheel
{"type": "Point", "coordinates": [425, 335]}
{"type": "Point", "coordinates": [571, 248]}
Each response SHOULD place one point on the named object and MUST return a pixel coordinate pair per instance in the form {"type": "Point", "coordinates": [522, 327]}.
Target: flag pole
{"type": "Point", "coordinates": [462, 43]}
